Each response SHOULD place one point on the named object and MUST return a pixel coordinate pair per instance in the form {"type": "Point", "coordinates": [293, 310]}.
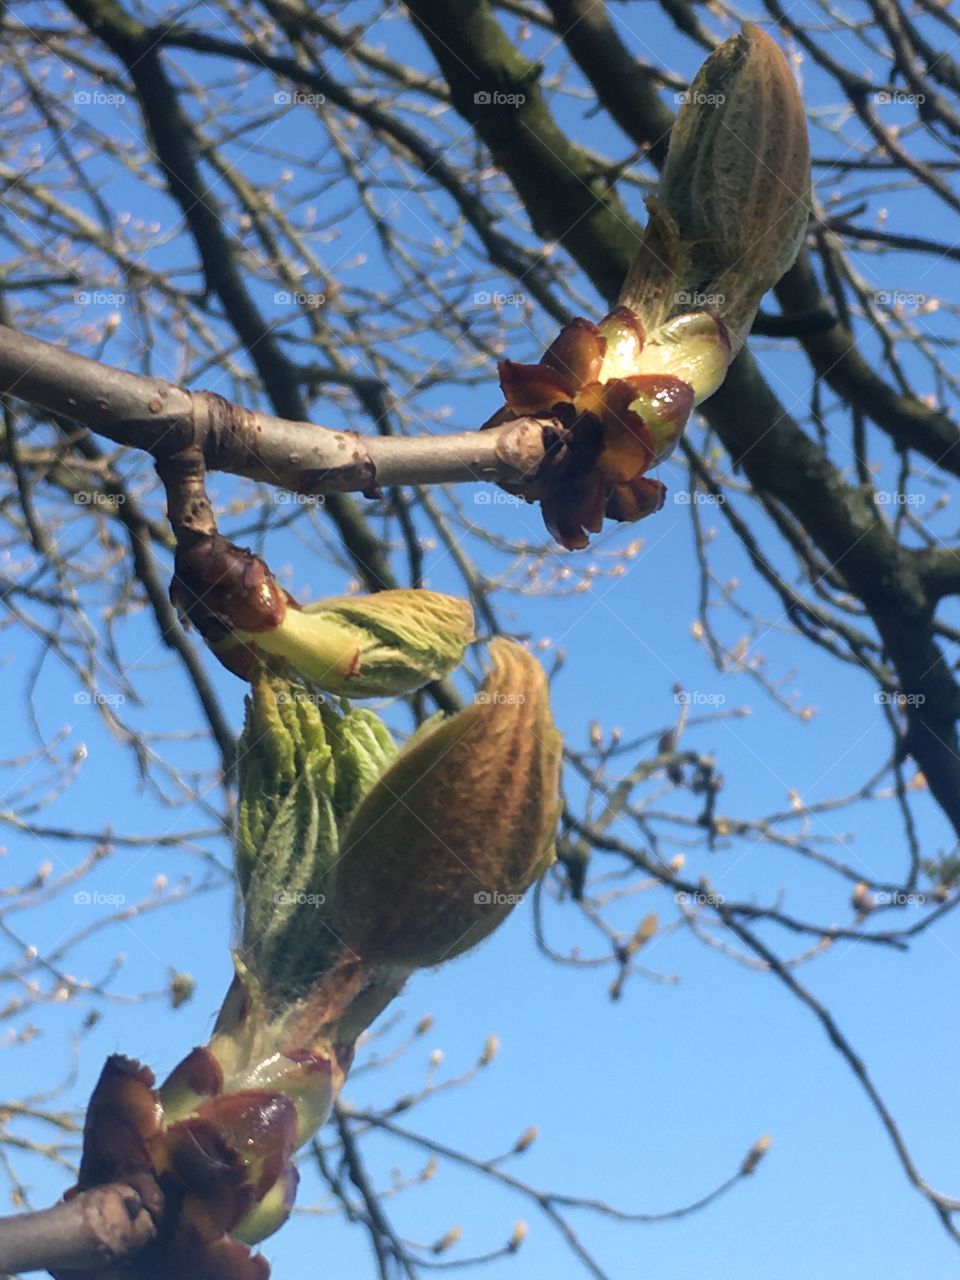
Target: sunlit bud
{"type": "Point", "coordinates": [646, 929]}
{"type": "Point", "coordinates": [756, 1154]}
{"type": "Point", "coordinates": [457, 828]}
{"type": "Point", "coordinates": [448, 1241]}
{"type": "Point", "coordinates": [363, 646]}
{"type": "Point", "coordinates": [182, 987]}
{"type": "Point", "coordinates": [624, 338]}
{"type": "Point", "coordinates": [490, 1050]}
{"type": "Point", "coordinates": [518, 1236]}
{"type": "Point", "coordinates": [862, 900]}
{"type": "Point", "coordinates": [731, 209]}
{"type": "Point", "coordinates": [368, 646]}
{"type": "Point", "coordinates": [695, 348]}
{"type": "Point", "coordinates": [526, 1139]}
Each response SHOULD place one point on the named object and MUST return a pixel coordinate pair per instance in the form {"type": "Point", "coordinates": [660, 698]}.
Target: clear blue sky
{"type": "Point", "coordinates": [648, 1102]}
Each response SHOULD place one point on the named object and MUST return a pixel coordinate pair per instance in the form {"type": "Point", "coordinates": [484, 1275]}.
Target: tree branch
{"type": "Point", "coordinates": [170, 422]}
{"type": "Point", "coordinates": [95, 1229]}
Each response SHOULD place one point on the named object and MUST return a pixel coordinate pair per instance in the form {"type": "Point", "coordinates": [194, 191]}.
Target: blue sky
{"type": "Point", "coordinates": [648, 1102]}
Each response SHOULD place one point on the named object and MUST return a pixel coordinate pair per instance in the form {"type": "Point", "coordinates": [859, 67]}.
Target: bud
{"type": "Point", "coordinates": [731, 209]}
{"type": "Point", "coordinates": [518, 1236]}
{"type": "Point", "coordinates": [491, 1048]}
{"type": "Point", "coordinates": [457, 828]}
{"type": "Point", "coordinates": [448, 1240]}
{"type": "Point", "coordinates": [694, 348]}
{"type": "Point", "coordinates": [862, 900]}
{"type": "Point", "coordinates": [363, 646]}
{"type": "Point", "coordinates": [526, 1140]}
{"type": "Point", "coordinates": [370, 646]}
{"type": "Point", "coordinates": [727, 221]}
{"type": "Point", "coordinates": [644, 931]}
{"type": "Point", "coordinates": [304, 767]}
{"type": "Point", "coordinates": [755, 1154]}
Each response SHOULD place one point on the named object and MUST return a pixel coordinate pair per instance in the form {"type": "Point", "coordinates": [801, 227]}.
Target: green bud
{"type": "Point", "coordinates": [731, 209]}
{"type": "Point", "coordinates": [694, 348]}
{"type": "Point", "coordinates": [457, 828]}
{"type": "Point", "coordinates": [369, 646]}
{"type": "Point", "coordinates": [304, 766]}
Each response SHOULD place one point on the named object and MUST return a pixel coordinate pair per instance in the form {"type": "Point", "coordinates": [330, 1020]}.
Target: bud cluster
{"type": "Point", "coordinates": [358, 862]}
{"type": "Point", "coordinates": [727, 221]}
